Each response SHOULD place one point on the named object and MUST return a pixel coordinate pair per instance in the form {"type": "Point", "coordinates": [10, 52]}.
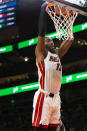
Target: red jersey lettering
{"type": "Point", "coordinates": [54, 59]}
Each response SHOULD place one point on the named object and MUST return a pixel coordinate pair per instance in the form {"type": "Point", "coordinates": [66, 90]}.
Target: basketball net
{"type": "Point", "coordinates": [63, 20]}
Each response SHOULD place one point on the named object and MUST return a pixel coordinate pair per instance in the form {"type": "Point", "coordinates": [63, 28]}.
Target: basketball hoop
{"type": "Point", "coordinates": [63, 19]}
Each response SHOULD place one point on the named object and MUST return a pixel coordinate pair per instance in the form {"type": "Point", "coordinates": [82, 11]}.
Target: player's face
{"type": "Point", "coordinates": [49, 43]}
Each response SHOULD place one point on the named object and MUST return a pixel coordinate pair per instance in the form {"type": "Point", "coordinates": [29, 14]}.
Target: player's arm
{"type": "Point", "coordinates": [39, 49]}
{"type": "Point", "coordinates": [64, 47]}
{"type": "Point", "coordinates": [42, 31]}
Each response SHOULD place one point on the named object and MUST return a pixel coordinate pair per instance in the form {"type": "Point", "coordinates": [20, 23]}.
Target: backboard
{"type": "Point", "coordinates": [79, 6]}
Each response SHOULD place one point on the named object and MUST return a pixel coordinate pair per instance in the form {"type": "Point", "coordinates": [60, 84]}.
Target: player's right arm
{"type": "Point", "coordinates": [42, 31]}
{"type": "Point", "coordinates": [39, 49]}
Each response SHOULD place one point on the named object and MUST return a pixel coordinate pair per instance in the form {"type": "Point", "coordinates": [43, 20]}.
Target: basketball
{"type": "Point", "coordinates": [57, 9]}
{"type": "Point", "coordinates": [61, 10]}
{"type": "Point", "coordinates": [64, 11]}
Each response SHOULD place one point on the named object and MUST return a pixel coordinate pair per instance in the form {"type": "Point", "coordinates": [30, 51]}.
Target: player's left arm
{"type": "Point", "coordinates": [66, 44]}
{"type": "Point", "coordinates": [64, 47]}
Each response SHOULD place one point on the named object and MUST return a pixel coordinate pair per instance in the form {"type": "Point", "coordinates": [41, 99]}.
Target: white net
{"type": "Point", "coordinates": [63, 21]}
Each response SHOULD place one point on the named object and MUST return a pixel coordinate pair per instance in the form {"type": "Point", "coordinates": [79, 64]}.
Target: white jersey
{"type": "Point", "coordinates": [50, 73]}
{"type": "Point", "coordinates": [50, 76]}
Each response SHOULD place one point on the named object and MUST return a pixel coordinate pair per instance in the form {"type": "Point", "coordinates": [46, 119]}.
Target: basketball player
{"type": "Point", "coordinates": [47, 103]}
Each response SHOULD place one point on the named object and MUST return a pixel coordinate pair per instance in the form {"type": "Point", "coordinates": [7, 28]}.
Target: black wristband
{"type": "Point", "coordinates": [43, 20]}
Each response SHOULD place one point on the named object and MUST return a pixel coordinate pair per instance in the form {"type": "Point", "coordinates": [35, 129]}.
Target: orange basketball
{"type": "Point", "coordinates": [64, 11]}
{"type": "Point", "coordinates": [61, 10]}
{"type": "Point", "coordinates": [58, 10]}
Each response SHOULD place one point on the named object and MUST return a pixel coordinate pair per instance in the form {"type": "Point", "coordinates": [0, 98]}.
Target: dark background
{"type": "Point", "coordinates": [16, 116]}
{"type": "Point", "coordinates": [27, 15]}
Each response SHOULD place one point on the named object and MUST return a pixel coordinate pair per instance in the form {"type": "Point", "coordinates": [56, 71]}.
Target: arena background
{"type": "Point", "coordinates": [18, 69]}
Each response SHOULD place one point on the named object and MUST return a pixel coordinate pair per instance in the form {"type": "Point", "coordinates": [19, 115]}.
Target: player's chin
{"type": "Point", "coordinates": [53, 47]}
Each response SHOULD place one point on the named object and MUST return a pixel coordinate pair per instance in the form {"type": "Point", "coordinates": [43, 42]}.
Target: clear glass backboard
{"type": "Point", "coordinates": [81, 3]}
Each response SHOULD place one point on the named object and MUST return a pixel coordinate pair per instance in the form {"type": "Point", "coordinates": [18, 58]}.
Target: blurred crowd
{"type": "Point", "coordinates": [17, 116]}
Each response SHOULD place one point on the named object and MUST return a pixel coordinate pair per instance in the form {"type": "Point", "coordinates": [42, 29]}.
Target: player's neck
{"type": "Point", "coordinates": [52, 51]}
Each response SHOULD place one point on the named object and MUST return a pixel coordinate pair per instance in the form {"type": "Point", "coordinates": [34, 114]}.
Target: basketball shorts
{"type": "Point", "coordinates": [46, 110]}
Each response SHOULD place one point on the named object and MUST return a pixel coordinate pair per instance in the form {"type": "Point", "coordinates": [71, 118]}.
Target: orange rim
{"type": "Point", "coordinates": [51, 4]}
{"type": "Point", "coordinates": [52, 12]}
{"type": "Point", "coordinates": [58, 13]}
